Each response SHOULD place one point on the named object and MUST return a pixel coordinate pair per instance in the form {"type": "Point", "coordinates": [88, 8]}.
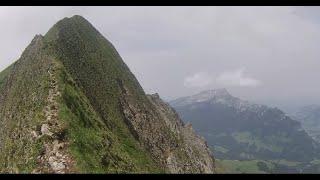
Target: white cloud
{"type": "Point", "coordinates": [199, 79]}
{"type": "Point", "coordinates": [237, 78]}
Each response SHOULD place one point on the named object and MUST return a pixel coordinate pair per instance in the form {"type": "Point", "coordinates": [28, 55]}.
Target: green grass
{"type": "Point", "coordinates": [286, 162]}
{"type": "Point", "coordinates": [100, 75]}
{"type": "Point", "coordinates": [258, 166]}
{"type": "Point", "coordinates": [95, 85]}
{"type": "Point", "coordinates": [260, 144]}
{"type": "Point", "coordinates": [94, 146]}
{"type": "Point", "coordinates": [22, 111]}
{"type": "Point", "coordinates": [236, 166]}
{"type": "Point", "coordinates": [100, 140]}
{"type": "Point", "coordinates": [220, 149]}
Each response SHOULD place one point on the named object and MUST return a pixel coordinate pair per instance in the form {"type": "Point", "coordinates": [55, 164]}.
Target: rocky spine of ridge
{"type": "Point", "coordinates": [55, 156]}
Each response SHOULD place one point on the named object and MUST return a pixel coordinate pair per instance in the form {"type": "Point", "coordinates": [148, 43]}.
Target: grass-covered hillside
{"type": "Point", "coordinates": [23, 97]}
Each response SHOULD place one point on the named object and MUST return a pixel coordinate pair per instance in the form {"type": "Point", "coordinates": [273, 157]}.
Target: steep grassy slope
{"type": "Point", "coordinates": [112, 90]}
{"type": "Point", "coordinates": [93, 145]}
{"type": "Point", "coordinates": [74, 106]}
{"type": "Point", "coordinates": [22, 99]}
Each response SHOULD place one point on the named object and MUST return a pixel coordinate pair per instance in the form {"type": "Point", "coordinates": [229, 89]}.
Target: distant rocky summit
{"type": "Point", "coordinates": [238, 129]}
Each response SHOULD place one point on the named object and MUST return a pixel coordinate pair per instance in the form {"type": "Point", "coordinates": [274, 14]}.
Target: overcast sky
{"type": "Point", "coordinates": [267, 55]}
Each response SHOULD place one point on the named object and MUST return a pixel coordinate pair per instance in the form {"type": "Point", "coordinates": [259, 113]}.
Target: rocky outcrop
{"type": "Point", "coordinates": [194, 146]}
{"type": "Point", "coordinates": [174, 144]}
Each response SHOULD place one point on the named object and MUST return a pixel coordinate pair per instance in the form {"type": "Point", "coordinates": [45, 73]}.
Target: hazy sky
{"type": "Point", "coordinates": [263, 54]}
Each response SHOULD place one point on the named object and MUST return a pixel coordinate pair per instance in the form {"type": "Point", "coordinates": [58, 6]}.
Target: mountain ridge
{"type": "Point", "coordinates": [237, 129]}
{"type": "Point", "coordinates": [220, 95]}
{"type": "Point", "coordinates": [71, 104]}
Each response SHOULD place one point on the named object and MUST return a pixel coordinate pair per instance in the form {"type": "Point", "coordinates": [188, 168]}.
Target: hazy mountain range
{"type": "Point", "coordinates": [239, 130]}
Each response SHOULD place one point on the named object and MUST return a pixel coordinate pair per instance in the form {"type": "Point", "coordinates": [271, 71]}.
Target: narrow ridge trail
{"type": "Point", "coordinates": [54, 157]}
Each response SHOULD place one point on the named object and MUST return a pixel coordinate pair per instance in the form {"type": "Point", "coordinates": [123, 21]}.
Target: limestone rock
{"type": "Point", "coordinates": [45, 130]}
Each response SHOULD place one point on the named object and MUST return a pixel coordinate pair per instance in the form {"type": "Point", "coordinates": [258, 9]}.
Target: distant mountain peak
{"type": "Point", "coordinates": [204, 96]}
{"type": "Point", "coordinates": [220, 96]}
{"type": "Point", "coordinates": [221, 92]}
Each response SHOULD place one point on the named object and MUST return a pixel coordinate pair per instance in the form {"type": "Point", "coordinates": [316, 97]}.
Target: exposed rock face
{"type": "Point", "coordinates": [175, 145]}
{"type": "Point", "coordinates": [195, 147]}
